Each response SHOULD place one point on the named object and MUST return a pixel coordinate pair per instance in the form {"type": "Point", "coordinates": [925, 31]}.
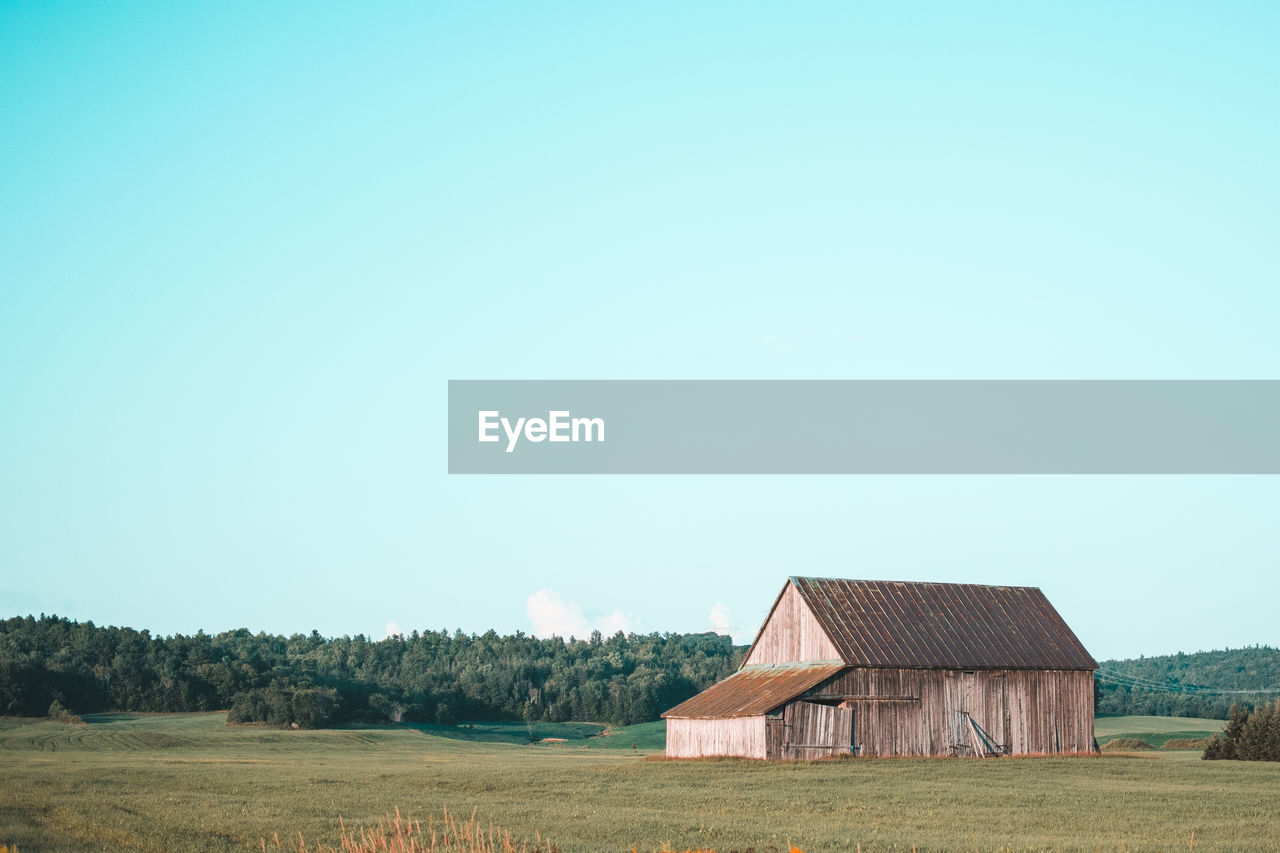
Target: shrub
{"type": "Point", "coordinates": [1218, 748]}
{"type": "Point", "coordinates": [1255, 742]}
{"type": "Point", "coordinates": [313, 707]}
{"type": "Point", "coordinates": [59, 714]}
{"type": "Point", "coordinates": [280, 704]}
{"type": "Point", "coordinates": [1125, 744]}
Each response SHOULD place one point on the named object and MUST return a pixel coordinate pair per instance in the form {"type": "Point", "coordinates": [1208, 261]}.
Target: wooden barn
{"type": "Point", "coordinates": [881, 668]}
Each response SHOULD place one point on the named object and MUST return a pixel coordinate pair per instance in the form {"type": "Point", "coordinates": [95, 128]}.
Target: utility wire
{"type": "Point", "coordinates": [1109, 676]}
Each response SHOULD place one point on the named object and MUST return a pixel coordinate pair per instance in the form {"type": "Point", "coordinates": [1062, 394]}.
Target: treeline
{"type": "Point", "coordinates": [1249, 736]}
{"type": "Point", "coordinates": [1188, 685]}
{"type": "Point", "coordinates": [308, 680]}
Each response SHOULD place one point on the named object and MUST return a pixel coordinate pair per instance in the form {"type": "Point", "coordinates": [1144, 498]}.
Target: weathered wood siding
{"type": "Point", "coordinates": [792, 633]}
{"type": "Point", "coordinates": [742, 736]}
{"type": "Point", "coordinates": [811, 730]}
{"type": "Point", "coordinates": [927, 711]}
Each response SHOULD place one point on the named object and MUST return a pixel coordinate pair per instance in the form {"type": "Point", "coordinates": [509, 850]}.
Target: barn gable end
{"type": "Point", "coordinates": [791, 633]}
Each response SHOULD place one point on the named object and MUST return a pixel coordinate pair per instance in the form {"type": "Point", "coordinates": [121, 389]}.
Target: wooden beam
{"type": "Point", "coordinates": [845, 697]}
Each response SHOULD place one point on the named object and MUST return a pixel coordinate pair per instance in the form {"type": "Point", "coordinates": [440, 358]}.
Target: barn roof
{"type": "Point", "coordinates": [756, 689]}
{"type": "Point", "coordinates": [951, 625]}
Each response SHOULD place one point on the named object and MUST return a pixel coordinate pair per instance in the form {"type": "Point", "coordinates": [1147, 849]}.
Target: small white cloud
{"type": "Point", "coordinates": [720, 621]}
{"type": "Point", "coordinates": [393, 630]}
{"type": "Point", "coordinates": [552, 616]}
{"type": "Point", "coordinates": [615, 622]}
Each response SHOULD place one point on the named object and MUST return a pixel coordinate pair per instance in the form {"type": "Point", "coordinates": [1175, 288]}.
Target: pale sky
{"type": "Point", "coordinates": [244, 247]}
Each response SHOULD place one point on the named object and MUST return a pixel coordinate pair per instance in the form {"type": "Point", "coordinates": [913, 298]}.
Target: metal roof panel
{"type": "Point", "coordinates": [756, 689]}
{"type": "Point", "coordinates": [951, 625]}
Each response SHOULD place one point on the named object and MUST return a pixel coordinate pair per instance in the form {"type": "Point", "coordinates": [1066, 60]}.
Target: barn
{"type": "Point", "coordinates": [886, 668]}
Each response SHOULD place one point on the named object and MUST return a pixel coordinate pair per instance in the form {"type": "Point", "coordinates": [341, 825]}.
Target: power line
{"type": "Point", "coordinates": [1109, 676]}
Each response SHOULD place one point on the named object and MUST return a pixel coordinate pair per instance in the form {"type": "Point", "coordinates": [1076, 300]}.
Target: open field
{"type": "Point", "coordinates": [188, 782]}
{"type": "Point", "coordinates": [1155, 730]}
{"type": "Point", "coordinates": [646, 737]}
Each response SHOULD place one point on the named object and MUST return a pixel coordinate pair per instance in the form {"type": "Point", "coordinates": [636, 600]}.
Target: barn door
{"type": "Point", "coordinates": [961, 688]}
{"type": "Point", "coordinates": [816, 731]}
{"type": "Point", "coordinates": [842, 731]}
{"type": "Point", "coordinates": [775, 736]}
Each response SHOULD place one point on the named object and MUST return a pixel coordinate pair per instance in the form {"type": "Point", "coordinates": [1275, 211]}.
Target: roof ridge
{"type": "Point", "coordinates": [794, 578]}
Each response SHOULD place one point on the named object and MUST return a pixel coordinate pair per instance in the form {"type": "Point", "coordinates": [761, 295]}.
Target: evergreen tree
{"type": "Point", "coordinates": [1249, 736]}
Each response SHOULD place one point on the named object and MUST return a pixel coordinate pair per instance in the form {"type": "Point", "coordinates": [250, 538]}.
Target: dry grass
{"type": "Point", "coordinates": [1186, 743]}
{"type": "Point", "coordinates": [445, 834]}
{"type": "Point", "coordinates": [666, 849]}
{"type": "Point", "coordinates": [395, 834]}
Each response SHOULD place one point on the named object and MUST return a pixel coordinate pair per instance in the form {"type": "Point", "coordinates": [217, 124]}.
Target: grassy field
{"type": "Point", "coordinates": [1155, 730]}
{"type": "Point", "coordinates": [189, 782]}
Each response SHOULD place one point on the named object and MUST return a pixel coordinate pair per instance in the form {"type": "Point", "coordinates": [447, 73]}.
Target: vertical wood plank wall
{"type": "Point", "coordinates": [810, 730]}
{"type": "Point", "coordinates": [792, 634]}
{"type": "Point", "coordinates": [1025, 711]}
{"type": "Point", "coordinates": [742, 736]}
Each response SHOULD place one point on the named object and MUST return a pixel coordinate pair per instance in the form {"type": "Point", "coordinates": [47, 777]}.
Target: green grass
{"type": "Point", "coordinates": [644, 737]}
{"type": "Point", "coordinates": [189, 782]}
{"type": "Point", "coordinates": [516, 733]}
{"type": "Point", "coordinates": [1155, 730]}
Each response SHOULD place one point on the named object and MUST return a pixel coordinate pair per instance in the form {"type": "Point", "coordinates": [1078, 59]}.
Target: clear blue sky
{"type": "Point", "coordinates": [244, 246]}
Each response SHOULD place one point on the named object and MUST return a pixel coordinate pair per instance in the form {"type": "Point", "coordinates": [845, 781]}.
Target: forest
{"type": "Point", "coordinates": [1201, 684]}
{"type": "Point", "coordinates": [443, 677]}
{"type": "Point", "coordinates": [311, 681]}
